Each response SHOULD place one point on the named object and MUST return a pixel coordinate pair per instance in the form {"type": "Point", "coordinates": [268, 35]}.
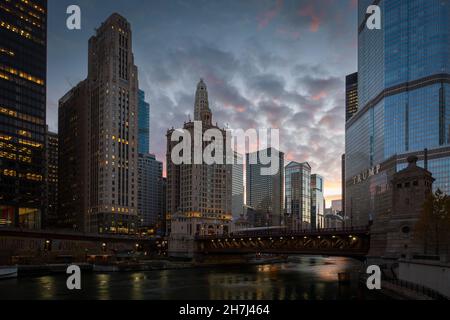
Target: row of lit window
{"type": "Point", "coordinates": [28, 176]}
{"type": "Point", "coordinates": [22, 74]}
{"type": "Point", "coordinates": [34, 6]}
{"type": "Point", "coordinates": [7, 52]}
{"type": "Point", "coordinates": [13, 156]}
{"type": "Point", "coordinates": [120, 140]}
{"type": "Point", "coordinates": [12, 147]}
{"type": "Point", "coordinates": [22, 16]}
{"type": "Point", "coordinates": [20, 32]}
{"type": "Point", "coordinates": [21, 116]}
{"type": "Point", "coordinates": [30, 13]}
{"type": "Point", "coordinates": [31, 143]}
{"type": "Point", "coordinates": [21, 141]}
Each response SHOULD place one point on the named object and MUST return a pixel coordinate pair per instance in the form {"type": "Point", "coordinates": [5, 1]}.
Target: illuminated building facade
{"type": "Point", "coordinates": [198, 195]}
{"type": "Point", "coordinates": [150, 187]}
{"type": "Point", "coordinates": [265, 193]}
{"type": "Point", "coordinates": [144, 124]}
{"type": "Point", "coordinates": [23, 67]}
{"type": "Point", "coordinates": [317, 202]}
{"type": "Point", "coordinates": [51, 180]}
{"type": "Point", "coordinates": [106, 201]}
{"type": "Point", "coordinates": [403, 97]}
{"type": "Point", "coordinates": [113, 129]}
{"type": "Point", "coordinates": [238, 187]}
{"type": "Point", "coordinates": [351, 95]}
{"type": "Point", "coordinates": [298, 195]}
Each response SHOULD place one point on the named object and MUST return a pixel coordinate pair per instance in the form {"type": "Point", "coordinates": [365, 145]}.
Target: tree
{"type": "Point", "coordinates": [433, 227]}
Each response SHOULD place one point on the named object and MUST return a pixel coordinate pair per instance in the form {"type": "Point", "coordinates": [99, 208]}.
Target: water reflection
{"type": "Point", "coordinates": [305, 278]}
{"type": "Point", "coordinates": [47, 285]}
{"type": "Point", "coordinates": [102, 281]}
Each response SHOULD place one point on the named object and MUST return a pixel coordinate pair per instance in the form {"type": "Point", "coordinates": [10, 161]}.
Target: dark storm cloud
{"type": "Point", "coordinates": [268, 85]}
{"type": "Point", "coordinates": [267, 63]}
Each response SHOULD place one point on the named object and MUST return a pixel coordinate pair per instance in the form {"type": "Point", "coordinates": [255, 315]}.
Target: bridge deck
{"type": "Point", "coordinates": [345, 242]}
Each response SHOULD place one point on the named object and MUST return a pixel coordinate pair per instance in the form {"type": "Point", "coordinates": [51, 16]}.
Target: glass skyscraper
{"type": "Point", "coordinates": [23, 69]}
{"type": "Point", "coordinates": [149, 190]}
{"type": "Point", "coordinates": [144, 124]}
{"type": "Point", "coordinates": [403, 93]}
{"type": "Point", "coordinates": [237, 188]}
{"type": "Point", "coordinates": [298, 195]}
{"type": "Point", "coordinates": [264, 193]}
{"type": "Point", "coordinates": [317, 202]}
{"type": "Point", "coordinates": [351, 95]}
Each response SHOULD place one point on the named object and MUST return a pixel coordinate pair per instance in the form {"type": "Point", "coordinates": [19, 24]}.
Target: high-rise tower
{"type": "Point", "coordinates": [202, 111]}
{"type": "Point", "coordinates": [113, 156]}
{"type": "Point", "coordinates": [23, 70]}
{"type": "Point", "coordinates": [111, 143]}
{"type": "Point", "coordinates": [265, 193]}
{"type": "Point", "coordinates": [298, 195]}
{"type": "Point", "coordinates": [317, 202]}
{"type": "Point", "coordinates": [403, 97]}
{"type": "Point", "coordinates": [144, 124]}
{"type": "Point", "coordinates": [351, 95]}
{"type": "Point", "coordinates": [198, 195]}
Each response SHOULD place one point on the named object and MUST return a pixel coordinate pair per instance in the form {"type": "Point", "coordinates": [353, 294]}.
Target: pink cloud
{"type": "Point", "coordinates": [316, 17]}
{"type": "Point", "coordinates": [321, 95]}
{"type": "Point", "coordinates": [268, 16]}
{"type": "Point", "coordinates": [237, 108]}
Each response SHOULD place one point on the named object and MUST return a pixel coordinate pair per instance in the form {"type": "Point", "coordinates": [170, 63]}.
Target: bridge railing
{"type": "Point", "coordinates": [287, 233]}
{"type": "Point", "coordinates": [417, 288]}
{"type": "Point", "coordinates": [58, 233]}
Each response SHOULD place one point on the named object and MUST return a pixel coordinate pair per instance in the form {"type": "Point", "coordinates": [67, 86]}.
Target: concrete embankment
{"type": "Point", "coordinates": [51, 269]}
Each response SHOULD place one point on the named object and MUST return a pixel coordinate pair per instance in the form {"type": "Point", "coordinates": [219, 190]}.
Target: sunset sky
{"type": "Point", "coordinates": [267, 64]}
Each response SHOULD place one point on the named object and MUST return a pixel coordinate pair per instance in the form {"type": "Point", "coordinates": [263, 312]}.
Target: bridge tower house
{"type": "Point", "coordinates": [410, 188]}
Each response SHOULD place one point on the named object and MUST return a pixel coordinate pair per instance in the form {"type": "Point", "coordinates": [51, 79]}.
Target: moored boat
{"type": "Point", "coordinates": [8, 272]}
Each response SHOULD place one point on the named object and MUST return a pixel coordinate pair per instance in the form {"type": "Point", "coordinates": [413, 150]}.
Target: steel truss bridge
{"type": "Point", "coordinates": [349, 242]}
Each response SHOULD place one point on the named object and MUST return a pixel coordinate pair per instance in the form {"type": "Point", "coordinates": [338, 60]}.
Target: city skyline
{"type": "Point", "coordinates": [198, 84]}
{"type": "Point", "coordinates": [294, 89]}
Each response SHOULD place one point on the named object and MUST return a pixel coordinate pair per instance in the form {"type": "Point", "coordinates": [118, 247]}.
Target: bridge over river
{"type": "Point", "coordinates": [350, 242]}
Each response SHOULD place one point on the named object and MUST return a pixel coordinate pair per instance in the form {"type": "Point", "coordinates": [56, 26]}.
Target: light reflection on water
{"type": "Point", "coordinates": [307, 278]}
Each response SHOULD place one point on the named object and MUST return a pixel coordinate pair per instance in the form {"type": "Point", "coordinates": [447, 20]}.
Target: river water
{"type": "Point", "coordinates": [308, 278]}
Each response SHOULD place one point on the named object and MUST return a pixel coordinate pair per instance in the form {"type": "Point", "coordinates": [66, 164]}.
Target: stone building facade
{"type": "Point", "coordinates": [392, 233]}
{"type": "Point", "coordinates": [106, 135]}
{"type": "Point", "coordinates": [198, 195]}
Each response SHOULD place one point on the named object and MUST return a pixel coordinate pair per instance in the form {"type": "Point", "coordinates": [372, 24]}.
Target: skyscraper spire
{"type": "Point", "coordinates": [202, 111]}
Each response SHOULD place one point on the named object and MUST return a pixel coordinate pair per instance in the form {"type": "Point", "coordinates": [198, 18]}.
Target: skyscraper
{"type": "Point", "coordinates": [73, 174]}
{"type": "Point", "coordinates": [113, 83]}
{"type": "Point", "coordinates": [298, 195]}
{"type": "Point", "coordinates": [149, 191]}
{"type": "Point", "coordinates": [161, 230]}
{"type": "Point", "coordinates": [23, 68]}
{"type": "Point", "coordinates": [317, 202]}
{"type": "Point", "coordinates": [351, 95]}
{"type": "Point", "coordinates": [110, 144]}
{"type": "Point", "coordinates": [265, 193]}
{"type": "Point", "coordinates": [403, 96]}
{"type": "Point", "coordinates": [198, 195]}
{"type": "Point", "coordinates": [343, 185]}
{"type": "Point", "coordinates": [144, 124]}
{"type": "Point", "coordinates": [238, 186]}
{"type": "Point", "coordinates": [51, 180]}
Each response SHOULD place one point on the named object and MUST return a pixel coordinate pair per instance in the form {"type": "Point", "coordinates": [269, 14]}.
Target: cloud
{"type": "Point", "coordinates": [263, 62]}
{"type": "Point", "coordinates": [267, 16]}
{"type": "Point", "coordinates": [315, 16]}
